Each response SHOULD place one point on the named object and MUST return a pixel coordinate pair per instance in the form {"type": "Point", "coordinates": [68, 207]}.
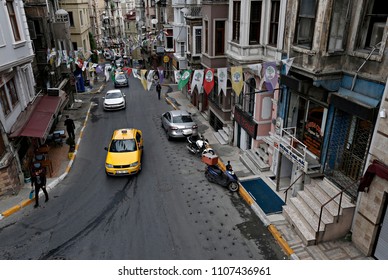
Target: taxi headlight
{"type": "Point", "coordinates": [134, 164]}
{"type": "Point", "coordinates": [108, 165]}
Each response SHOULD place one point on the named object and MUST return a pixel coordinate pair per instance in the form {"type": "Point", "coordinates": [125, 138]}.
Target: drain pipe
{"type": "Point", "coordinates": [377, 46]}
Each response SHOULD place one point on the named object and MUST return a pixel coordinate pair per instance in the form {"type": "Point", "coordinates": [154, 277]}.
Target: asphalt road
{"type": "Point", "coordinates": [168, 211]}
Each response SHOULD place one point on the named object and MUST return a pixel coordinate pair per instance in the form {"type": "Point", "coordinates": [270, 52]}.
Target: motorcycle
{"type": "Point", "coordinates": [225, 178]}
{"type": "Point", "coordinates": [198, 145]}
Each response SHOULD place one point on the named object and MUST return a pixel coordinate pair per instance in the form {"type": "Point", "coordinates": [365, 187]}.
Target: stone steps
{"type": "Point", "coordinates": [303, 211]}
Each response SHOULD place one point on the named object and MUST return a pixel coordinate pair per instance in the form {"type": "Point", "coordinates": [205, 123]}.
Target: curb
{"type": "Point", "coordinates": [50, 186]}
{"type": "Point", "coordinates": [256, 208]}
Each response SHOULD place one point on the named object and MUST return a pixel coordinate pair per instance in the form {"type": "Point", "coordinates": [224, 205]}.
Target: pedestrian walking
{"type": "Point", "coordinates": [38, 179]}
{"type": "Point", "coordinates": [158, 90]}
{"type": "Point", "coordinates": [70, 127]}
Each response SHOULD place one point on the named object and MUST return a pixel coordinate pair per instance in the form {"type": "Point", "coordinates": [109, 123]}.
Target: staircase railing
{"type": "Point", "coordinates": [286, 191]}
{"type": "Point", "coordinates": [339, 207]}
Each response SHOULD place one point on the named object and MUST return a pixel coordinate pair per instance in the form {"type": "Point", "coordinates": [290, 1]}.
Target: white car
{"type": "Point", "coordinates": [114, 100]}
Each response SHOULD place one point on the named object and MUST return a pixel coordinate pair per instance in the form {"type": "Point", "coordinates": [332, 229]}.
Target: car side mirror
{"type": "Point", "coordinates": [106, 148]}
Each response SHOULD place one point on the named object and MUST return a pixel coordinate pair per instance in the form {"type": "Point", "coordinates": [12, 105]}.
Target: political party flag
{"type": "Point", "coordinates": [208, 82]}
{"type": "Point", "coordinates": [237, 79]}
{"type": "Point", "coordinates": [222, 74]}
{"type": "Point", "coordinates": [197, 80]}
{"type": "Point", "coordinates": [150, 79]}
{"type": "Point", "coordinates": [270, 75]}
{"type": "Point", "coordinates": [184, 79]}
{"type": "Point", "coordinates": [287, 63]}
{"type": "Point", "coordinates": [177, 75]}
{"type": "Point", "coordinates": [128, 70]}
{"type": "Point", "coordinates": [135, 73]}
{"type": "Point", "coordinates": [161, 76]}
{"type": "Point", "coordinates": [84, 65]}
{"type": "Point", "coordinates": [143, 78]}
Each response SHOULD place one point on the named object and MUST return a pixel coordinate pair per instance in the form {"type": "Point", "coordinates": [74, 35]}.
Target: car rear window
{"type": "Point", "coordinates": [182, 119]}
{"type": "Point", "coordinates": [120, 76]}
{"type": "Point", "coordinates": [123, 145]}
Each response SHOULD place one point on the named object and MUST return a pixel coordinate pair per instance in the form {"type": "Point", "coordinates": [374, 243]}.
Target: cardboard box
{"type": "Point", "coordinates": [210, 159]}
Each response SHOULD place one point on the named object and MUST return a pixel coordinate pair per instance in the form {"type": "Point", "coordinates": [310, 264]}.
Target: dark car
{"type": "Point", "coordinates": [121, 80]}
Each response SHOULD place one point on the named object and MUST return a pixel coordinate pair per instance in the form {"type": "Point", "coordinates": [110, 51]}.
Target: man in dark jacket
{"type": "Point", "coordinates": [38, 179]}
{"type": "Point", "coordinates": [158, 89]}
{"type": "Point", "coordinates": [70, 127]}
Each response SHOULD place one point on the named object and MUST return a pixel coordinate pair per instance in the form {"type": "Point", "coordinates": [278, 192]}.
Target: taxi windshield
{"type": "Point", "coordinates": [123, 145]}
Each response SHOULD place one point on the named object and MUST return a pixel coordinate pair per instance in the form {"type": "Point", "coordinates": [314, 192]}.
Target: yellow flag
{"type": "Point", "coordinates": [143, 78]}
{"type": "Point", "coordinates": [237, 79]}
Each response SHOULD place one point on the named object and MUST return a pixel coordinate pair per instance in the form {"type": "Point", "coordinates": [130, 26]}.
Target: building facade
{"type": "Point", "coordinates": [16, 89]}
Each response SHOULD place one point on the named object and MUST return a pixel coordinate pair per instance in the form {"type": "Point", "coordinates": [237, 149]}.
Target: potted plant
{"type": "Point", "coordinates": [70, 141]}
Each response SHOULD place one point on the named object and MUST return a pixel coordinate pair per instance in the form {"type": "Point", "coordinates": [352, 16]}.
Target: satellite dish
{"type": "Point", "coordinates": [137, 18]}
{"type": "Point", "coordinates": [154, 21]}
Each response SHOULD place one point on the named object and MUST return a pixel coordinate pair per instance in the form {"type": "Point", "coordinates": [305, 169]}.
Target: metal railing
{"type": "Point", "coordinates": [339, 206]}
{"type": "Point", "coordinates": [286, 191]}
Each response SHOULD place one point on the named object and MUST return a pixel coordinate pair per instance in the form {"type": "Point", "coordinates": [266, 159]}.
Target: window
{"type": "Point", "coordinates": [197, 40]}
{"type": "Point", "coordinates": [12, 92]}
{"type": "Point", "coordinates": [14, 23]}
{"type": "Point", "coordinates": [220, 38]}
{"type": "Point", "coordinates": [251, 92]}
{"type": "Point", "coordinates": [182, 47]}
{"type": "Point", "coordinates": [375, 19]}
{"type": "Point", "coordinates": [274, 23]}
{"type": "Point", "coordinates": [75, 46]}
{"type": "Point", "coordinates": [254, 25]}
{"type": "Point", "coordinates": [84, 45]}
{"type": "Point", "coordinates": [236, 21]}
{"type": "Point", "coordinates": [81, 18]}
{"type": "Point", "coordinates": [305, 23]}
{"type": "Point", "coordinates": [339, 22]}
{"type": "Point", "coordinates": [4, 101]}
{"type": "Point", "coordinates": [206, 36]}
{"type": "Point", "coordinates": [71, 19]}
{"type": "Point", "coordinates": [169, 42]}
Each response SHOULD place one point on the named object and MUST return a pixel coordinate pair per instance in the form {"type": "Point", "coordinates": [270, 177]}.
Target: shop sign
{"type": "Point", "coordinates": [245, 122]}
{"type": "Point", "coordinates": [292, 156]}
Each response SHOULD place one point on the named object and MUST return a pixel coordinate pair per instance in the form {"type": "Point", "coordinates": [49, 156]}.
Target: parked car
{"type": "Point", "coordinates": [124, 152]}
{"type": "Point", "coordinates": [178, 124]}
{"type": "Point", "coordinates": [121, 80]}
{"type": "Point", "coordinates": [114, 100]}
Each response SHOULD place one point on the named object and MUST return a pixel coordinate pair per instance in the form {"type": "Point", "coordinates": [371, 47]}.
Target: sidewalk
{"type": "Point", "coordinates": [282, 231]}
{"type": "Point", "coordinates": [61, 164]}
{"type": "Point", "coordinates": [277, 224]}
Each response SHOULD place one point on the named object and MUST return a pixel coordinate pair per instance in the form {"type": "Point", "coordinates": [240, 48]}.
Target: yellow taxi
{"type": "Point", "coordinates": [124, 152]}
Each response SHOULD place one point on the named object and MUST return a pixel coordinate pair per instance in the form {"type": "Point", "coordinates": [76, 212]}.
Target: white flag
{"type": "Point", "coordinates": [197, 80]}
{"type": "Point", "coordinates": [85, 65]}
{"type": "Point", "coordinates": [150, 79]}
{"type": "Point", "coordinates": [178, 75]}
{"type": "Point", "coordinates": [287, 64]}
{"type": "Point", "coordinates": [136, 73]}
{"type": "Point", "coordinates": [222, 74]}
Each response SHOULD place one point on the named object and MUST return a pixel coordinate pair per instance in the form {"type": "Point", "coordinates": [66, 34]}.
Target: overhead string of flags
{"type": "Point", "coordinates": [205, 78]}
{"type": "Point", "coordinates": [201, 78]}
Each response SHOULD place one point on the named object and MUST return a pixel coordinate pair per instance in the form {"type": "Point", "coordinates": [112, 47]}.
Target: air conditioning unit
{"type": "Point", "coordinates": [53, 91]}
{"type": "Point", "coordinates": [377, 33]}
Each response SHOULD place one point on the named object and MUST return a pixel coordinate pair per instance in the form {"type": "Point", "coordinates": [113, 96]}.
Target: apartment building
{"type": "Point", "coordinates": [16, 90]}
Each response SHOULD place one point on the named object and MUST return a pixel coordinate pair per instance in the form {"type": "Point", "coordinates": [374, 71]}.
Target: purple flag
{"type": "Point", "coordinates": [161, 76]}
{"type": "Point", "coordinates": [270, 75]}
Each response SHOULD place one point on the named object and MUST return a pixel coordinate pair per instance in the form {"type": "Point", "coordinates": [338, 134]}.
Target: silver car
{"type": "Point", "coordinates": [114, 100]}
{"type": "Point", "coordinates": [178, 124]}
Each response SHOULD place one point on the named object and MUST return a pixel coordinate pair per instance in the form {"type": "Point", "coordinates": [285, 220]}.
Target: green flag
{"type": "Point", "coordinates": [184, 79]}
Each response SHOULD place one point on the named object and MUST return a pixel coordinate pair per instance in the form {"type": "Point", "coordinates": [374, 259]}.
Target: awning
{"type": "Point", "coordinates": [355, 103]}
{"type": "Point", "coordinates": [40, 120]}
